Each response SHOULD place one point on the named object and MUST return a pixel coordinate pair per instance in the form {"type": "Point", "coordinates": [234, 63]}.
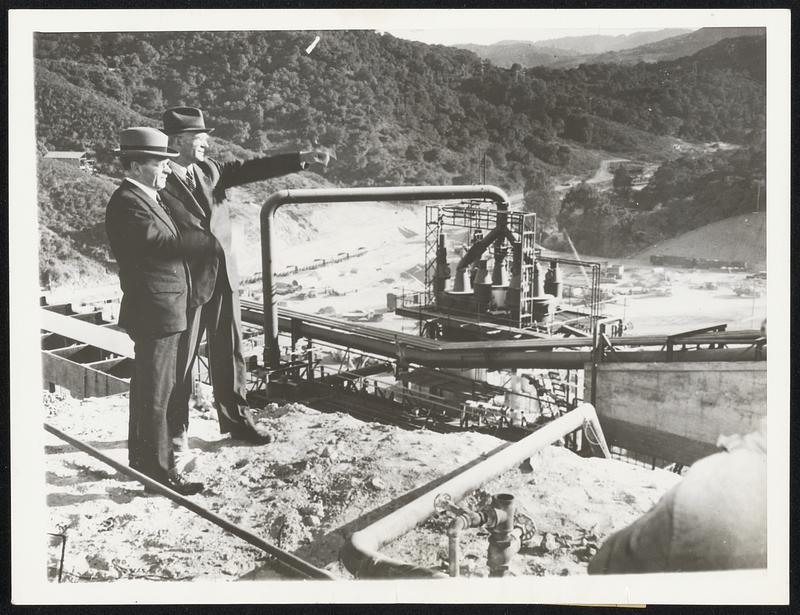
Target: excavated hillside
{"type": "Point", "coordinates": [740, 238]}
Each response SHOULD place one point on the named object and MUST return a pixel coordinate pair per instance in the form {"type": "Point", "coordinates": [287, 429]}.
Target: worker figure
{"type": "Point", "coordinates": [714, 519]}
{"type": "Point", "coordinates": [464, 423]}
{"type": "Point", "coordinates": [504, 422]}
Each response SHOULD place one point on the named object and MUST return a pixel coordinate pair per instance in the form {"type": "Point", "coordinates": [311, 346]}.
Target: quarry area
{"type": "Point", "coordinates": [308, 491]}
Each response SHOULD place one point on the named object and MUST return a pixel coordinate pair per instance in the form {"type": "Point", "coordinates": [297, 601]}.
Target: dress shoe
{"type": "Point", "coordinates": [179, 484]}
{"type": "Point", "coordinates": [249, 431]}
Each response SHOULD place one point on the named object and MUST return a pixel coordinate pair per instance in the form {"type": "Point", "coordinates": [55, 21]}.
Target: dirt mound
{"type": "Point", "coordinates": [740, 238]}
{"type": "Point", "coordinates": [321, 480]}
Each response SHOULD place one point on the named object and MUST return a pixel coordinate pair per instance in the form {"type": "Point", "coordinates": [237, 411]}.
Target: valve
{"type": "Point", "coordinates": [443, 503]}
{"type": "Point", "coordinates": [508, 529]}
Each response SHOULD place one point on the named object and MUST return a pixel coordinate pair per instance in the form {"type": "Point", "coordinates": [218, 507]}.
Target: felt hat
{"type": "Point", "coordinates": [143, 141]}
{"type": "Point", "coordinates": [184, 119]}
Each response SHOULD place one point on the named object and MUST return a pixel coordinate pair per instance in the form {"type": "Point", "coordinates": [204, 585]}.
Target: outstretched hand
{"type": "Point", "coordinates": [315, 156]}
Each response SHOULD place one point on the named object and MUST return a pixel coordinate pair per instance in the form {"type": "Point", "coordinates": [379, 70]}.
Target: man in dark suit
{"type": "Point", "coordinates": [195, 194]}
{"type": "Point", "coordinates": [152, 256]}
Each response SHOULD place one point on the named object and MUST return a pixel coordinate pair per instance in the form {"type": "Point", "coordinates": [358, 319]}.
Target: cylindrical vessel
{"type": "Point", "coordinates": [538, 280]}
{"type": "Point", "coordinates": [482, 286]}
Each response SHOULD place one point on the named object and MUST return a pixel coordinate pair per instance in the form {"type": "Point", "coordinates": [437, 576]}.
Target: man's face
{"type": "Point", "coordinates": [153, 172]}
{"type": "Point", "coordinates": [193, 146]}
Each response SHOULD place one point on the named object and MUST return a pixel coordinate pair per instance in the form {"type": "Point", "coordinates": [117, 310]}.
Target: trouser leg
{"type": "Point", "coordinates": [152, 386]}
{"type": "Point", "coordinates": [222, 320]}
{"type": "Point", "coordinates": [178, 413]}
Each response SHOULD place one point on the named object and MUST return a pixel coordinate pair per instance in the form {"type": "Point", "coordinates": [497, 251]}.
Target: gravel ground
{"type": "Point", "coordinates": [306, 492]}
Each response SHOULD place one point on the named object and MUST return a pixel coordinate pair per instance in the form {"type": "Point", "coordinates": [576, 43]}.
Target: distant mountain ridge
{"type": "Point", "coordinates": [569, 52]}
{"type": "Point", "coordinates": [602, 43]}
{"type": "Point", "coordinates": [559, 50]}
{"type": "Point", "coordinates": [676, 47]}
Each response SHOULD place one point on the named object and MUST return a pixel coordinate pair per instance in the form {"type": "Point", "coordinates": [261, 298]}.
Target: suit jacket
{"type": "Point", "coordinates": [152, 256]}
{"type": "Point", "coordinates": [207, 211]}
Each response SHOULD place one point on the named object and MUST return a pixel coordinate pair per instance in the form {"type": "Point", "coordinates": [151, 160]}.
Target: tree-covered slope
{"type": "Point", "coordinates": [394, 112]}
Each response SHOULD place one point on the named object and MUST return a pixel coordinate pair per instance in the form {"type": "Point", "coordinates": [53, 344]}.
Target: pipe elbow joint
{"type": "Point", "coordinates": [463, 521]}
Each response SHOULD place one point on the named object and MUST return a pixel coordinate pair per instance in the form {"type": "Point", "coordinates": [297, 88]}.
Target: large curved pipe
{"type": "Point", "coordinates": [344, 195]}
{"type": "Point", "coordinates": [524, 353]}
{"type": "Point", "coordinates": [361, 555]}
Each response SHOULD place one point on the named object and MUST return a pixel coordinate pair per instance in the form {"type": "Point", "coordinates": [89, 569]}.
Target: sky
{"type": "Point", "coordinates": [487, 36]}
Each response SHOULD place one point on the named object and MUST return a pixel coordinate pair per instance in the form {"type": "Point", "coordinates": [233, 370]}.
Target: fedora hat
{"type": "Point", "coordinates": [184, 119]}
{"type": "Point", "coordinates": [142, 141]}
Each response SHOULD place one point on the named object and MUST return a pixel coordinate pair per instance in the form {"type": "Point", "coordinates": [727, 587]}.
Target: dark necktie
{"type": "Point", "coordinates": [161, 204]}
{"type": "Point", "coordinates": [190, 181]}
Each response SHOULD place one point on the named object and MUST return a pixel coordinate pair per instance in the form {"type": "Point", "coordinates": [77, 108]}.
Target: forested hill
{"type": "Point", "coordinates": [677, 46]}
{"type": "Point", "coordinates": [396, 111]}
{"type": "Point", "coordinates": [400, 112]}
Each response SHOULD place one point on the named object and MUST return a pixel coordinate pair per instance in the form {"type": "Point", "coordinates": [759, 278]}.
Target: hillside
{"type": "Point", "coordinates": [741, 238]}
{"type": "Point", "coordinates": [675, 47]}
{"type": "Point", "coordinates": [395, 112]}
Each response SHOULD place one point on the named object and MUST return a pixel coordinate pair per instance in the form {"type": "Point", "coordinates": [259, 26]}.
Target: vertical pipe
{"type": "Point", "coordinates": [454, 553]}
{"type": "Point", "coordinates": [500, 548]}
{"type": "Point", "coordinates": [272, 354]}
{"type": "Point", "coordinates": [595, 358]}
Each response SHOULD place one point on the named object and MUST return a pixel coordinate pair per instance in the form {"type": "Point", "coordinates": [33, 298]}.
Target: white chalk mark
{"type": "Point", "coordinates": [310, 48]}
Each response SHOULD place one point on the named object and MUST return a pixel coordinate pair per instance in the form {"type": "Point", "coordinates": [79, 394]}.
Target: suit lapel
{"type": "Point", "coordinates": [157, 210]}
{"type": "Point", "coordinates": [181, 191]}
{"type": "Point", "coordinates": [204, 189]}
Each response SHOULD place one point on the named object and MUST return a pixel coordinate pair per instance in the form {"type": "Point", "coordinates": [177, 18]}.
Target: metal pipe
{"type": "Point", "coordinates": [361, 555]}
{"type": "Point", "coordinates": [344, 195]}
{"type": "Point", "coordinates": [502, 545]}
{"type": "Point", "coordinates": [531, 353]}
{"type": "Point", "coordinates": [458, 525]}
{"type": "Point", "coordinates": [296, 565]}
{"type": "Point", "coordinates": [479, 247]}
{"type": "Point", "coordinates": [253, 313]}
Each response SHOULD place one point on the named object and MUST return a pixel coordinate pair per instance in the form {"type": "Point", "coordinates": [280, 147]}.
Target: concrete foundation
{"type": "Point", "coordinates": [676, 411]}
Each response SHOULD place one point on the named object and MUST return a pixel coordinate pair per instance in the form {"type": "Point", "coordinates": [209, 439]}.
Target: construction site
{"type": "Point", "coordinates": [496, 420]}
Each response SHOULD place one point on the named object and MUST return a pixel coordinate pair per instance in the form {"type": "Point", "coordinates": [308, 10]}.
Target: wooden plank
{"type": "Point", "coordinates": [108, 339]}
{"type": "Point", "coordinates": [81, 380]}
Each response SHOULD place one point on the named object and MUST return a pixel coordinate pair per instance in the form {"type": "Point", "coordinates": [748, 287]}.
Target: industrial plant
{"type": "Point", "coordinates": [501, 341]}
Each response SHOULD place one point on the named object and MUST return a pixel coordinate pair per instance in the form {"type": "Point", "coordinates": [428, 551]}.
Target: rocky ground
{"type": "Point", "coordinates": [307, 491]}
